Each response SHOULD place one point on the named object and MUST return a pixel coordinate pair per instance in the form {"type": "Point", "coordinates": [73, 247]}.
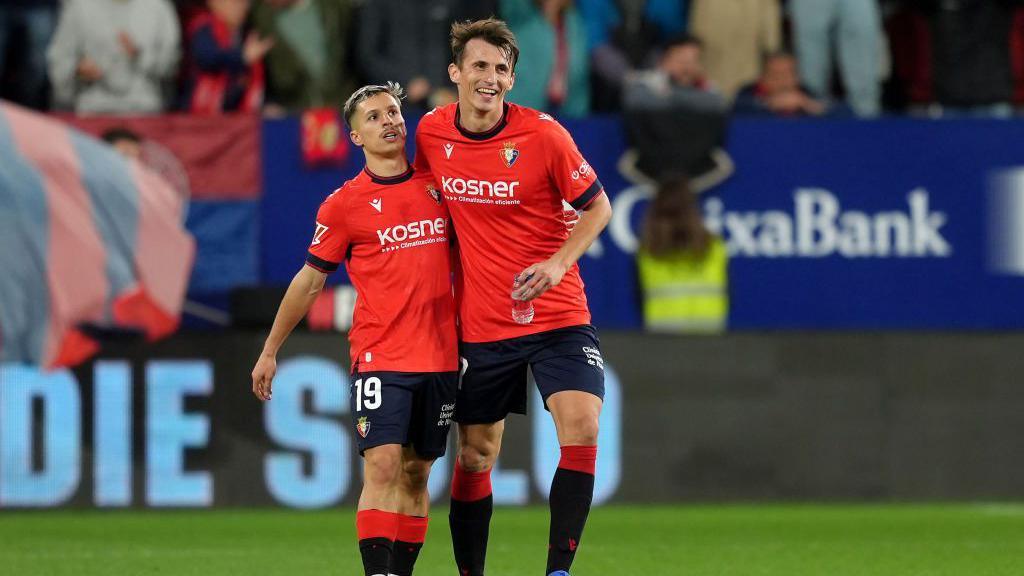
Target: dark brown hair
{"type": "Point", "coordinates": [674, 222]}
{"type": "Point", "coordinates": [370, 91]}
{"type": "Point", "coordinates": [490, 30]}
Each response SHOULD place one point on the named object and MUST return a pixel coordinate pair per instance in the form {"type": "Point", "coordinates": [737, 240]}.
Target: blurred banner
{"type": "Point", "coordinates": [86, 237]}
{"type": "Point", "coordinates": [787, 416]}
{"type": "Point", "coordinates": [215, 161]}
{"type": "Point", "coordinates": [831, 224]}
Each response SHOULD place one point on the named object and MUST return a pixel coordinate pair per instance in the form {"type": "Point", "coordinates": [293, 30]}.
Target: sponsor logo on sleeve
{"type": "Point", "coordinates": [319, 234]}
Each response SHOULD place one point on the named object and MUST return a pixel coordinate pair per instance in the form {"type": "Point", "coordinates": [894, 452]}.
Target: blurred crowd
{"type": "Point", "coordinates": [756, 57]}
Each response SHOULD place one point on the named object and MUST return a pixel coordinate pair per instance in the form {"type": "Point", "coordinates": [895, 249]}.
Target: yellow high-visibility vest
{"type": "Point", "coordinates": [684, 293]}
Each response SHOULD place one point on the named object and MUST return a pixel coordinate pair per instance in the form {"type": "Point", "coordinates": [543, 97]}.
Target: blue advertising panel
{"type": "Point", "coordinates": [830, 224]}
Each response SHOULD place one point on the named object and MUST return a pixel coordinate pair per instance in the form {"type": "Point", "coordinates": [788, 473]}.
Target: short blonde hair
{"type": "Point", "coordinates": [369, 91]}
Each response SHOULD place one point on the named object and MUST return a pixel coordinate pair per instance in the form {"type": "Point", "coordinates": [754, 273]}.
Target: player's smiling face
{"type": "Point", "coordinates": [483, 77]}
{"type": "Point", "coordinates": [378, 125]}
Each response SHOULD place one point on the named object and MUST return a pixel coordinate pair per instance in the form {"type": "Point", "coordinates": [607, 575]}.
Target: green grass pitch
{"type": "Point", "coordinates": [699, 540]}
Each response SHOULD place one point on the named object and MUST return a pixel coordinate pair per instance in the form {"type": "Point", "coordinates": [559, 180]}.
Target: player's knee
{"type": "Point", "coordinates": [478, 458]}
{"type": "Point", "coordinates": [416, 474]}
{"type": "Point", "coordinates": [582, 430]}
{"type": "Point", "coordinates": [382, 467]}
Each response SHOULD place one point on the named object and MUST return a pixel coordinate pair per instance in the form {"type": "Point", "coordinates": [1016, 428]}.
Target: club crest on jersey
{"type": "Point", "coordinates": [434, 193]}
{"type": "Point", "coordinates": [509, 154]}
{"type": "Point", "coordinates": [363, 426]}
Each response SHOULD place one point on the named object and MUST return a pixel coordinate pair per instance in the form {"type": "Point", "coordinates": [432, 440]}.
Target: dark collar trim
{"type": "Point", "coordinates": [482, 135]}
{"type": "Point", "coordinates": [403, 177]}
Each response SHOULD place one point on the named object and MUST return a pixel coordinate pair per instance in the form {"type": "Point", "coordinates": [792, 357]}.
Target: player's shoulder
{"type": "Point", "coordinates": [536, 121]}
{"type": "Point", "coordinates": [438, 117]}
{"type": "Point", "coordinates": [341, 196]}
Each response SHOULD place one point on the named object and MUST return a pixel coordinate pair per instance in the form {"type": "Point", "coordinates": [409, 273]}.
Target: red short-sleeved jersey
{"type": "Point", "coordinates": [392, 234]}
{"type": "Point", "coordinates": [504, 190]}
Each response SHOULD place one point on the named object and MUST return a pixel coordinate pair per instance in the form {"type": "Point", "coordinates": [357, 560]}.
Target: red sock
{"type": "Point", "coordinates": [579, 458]}
{"type": "Point", "coordinates": [470, 518]}
{"type": "Point", "coordinates": [377, 530]}
{"type": "Point", "coordinates": [412, 531]}
{"type": "Point", "coordinates": [470, 486]}
{"type": "Point", "coordinates": [572, 490]}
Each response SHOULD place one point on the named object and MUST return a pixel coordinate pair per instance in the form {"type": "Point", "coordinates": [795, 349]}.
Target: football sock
{"type": "Point", "coordinates": [412, 530]}
{"type": "Point", "coordinates": [571, 493]}
{"type": "Point", "coordinates": [377, 530]}
{"type": "Point", "coordinates": [470, 519]}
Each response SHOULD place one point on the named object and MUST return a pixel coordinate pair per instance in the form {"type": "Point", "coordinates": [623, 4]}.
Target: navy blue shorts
{"type": "Point", "coordinates": [408, 408]}
{"type": "Point", "coordinates": [493, 381]}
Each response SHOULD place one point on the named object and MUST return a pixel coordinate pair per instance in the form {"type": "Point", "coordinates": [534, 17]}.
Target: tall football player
{"type": "Point", "coordinates": [390, 228]}
{"type": "Point", "coordinates": [504, 172]}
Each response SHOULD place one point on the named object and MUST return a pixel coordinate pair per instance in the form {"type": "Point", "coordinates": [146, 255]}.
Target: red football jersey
{"type": "Point", "coordinates": [504, 190]}
{"type": "Point", "coordinates": [392, 234]}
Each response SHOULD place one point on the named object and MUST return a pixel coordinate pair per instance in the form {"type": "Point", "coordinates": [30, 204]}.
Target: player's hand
{"type": "Point", "coordinates": [263, 376]}
{"type": "Point", "coordinates": [542, 277]}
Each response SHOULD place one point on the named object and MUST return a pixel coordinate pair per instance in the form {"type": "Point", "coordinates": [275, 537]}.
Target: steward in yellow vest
{"type": "Point", "coordinates": [683, 267]}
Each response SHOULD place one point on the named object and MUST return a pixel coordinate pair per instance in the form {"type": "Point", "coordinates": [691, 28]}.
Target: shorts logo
{"type": "Point", "coordinates": [594, 357]}
{"type": "Point", "coordinates": [363, 426]}
{"type": "Point", "coordinates": [509, 153]}
{"type": "Point", "coordinates": [434, 193]}
{"type": "Point", "coordinates": [445, 417]}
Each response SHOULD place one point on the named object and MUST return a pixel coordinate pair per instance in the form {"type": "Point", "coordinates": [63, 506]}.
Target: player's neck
{"type": "Point", "coordinates": [387, 166]}
{"type": "Point", "coordinates": [473, 120]}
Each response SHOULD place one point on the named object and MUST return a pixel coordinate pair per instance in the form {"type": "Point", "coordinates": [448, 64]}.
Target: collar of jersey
{"type": "Point", "coordinates": [482, 135]}
{"type": "Point", "coordinates": [403, 177]}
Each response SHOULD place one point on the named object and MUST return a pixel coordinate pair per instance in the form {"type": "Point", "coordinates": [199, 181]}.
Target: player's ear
{"type": "Point", "coordinates": [356, 138]}
{"type": "Point", "coordinates": [453, 73]}
{"type": "Point", "coordinates": [511, 80]}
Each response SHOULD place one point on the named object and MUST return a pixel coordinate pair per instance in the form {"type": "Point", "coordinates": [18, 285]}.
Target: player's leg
{"type": "Point", "coordinates": [472, 502]}
{"type": "Point", "coordinates": [569, 372]}
{"type": "Point", "coordinates": [413, 510]}
{"type": "Point", "coordinates": [377, 517]}
{"type": "Point", "coordinates": [492, 384]}
{"type": "Point", "coordinates": [433, 407]}
{"type": "Point", "coordinates": [380, 403]}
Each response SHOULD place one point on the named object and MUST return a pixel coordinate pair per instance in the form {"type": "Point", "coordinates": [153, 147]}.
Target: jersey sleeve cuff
{"type": "Point", "coordinates": [588, 196]}
{"type": "Point", "coordinates": [317, 263]}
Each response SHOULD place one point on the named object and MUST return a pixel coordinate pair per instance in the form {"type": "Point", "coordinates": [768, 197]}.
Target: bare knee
{"type": "Point", "coordinates": [382, 467]}
{"type": "Point", "coordinates": [580, 430]}
{"type": "Point", "coordinates": [479, 446]}
{"type": "Point", "coordinates": [416, 472]}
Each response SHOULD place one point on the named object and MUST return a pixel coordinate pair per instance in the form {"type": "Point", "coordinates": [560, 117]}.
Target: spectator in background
{"type": "Point", "coordinates": [225, 72]}
{"type": "Point", "coordinates": [625, 35]}
{"type": "Point", "coordinates": [675, 120]}
{"type": "Point", "coordinates": [777, 92]}
{"type": "Point", "coordinates": [683, 267]}
{"type": "Point", "coordinates": [552, 38]}
{"type": "Point", "coordinates": [126, 142]}
{"type": "Point", "coordinates": [35, 20]}
{"type": "Point", "coordinates": [407, 42]}
{"type": "Point", "coordinates": [308, 65]}
{"type": "Point", "coordinates": [677, 80]}
{"type": "Point", "coordinates": [114, 56]}
{"type": "Point", "coordinates": [737, 35]}
{"type": "Point", "coordinates": [854, 27]}
{"type": "Point", "coordinates": [970, 45]}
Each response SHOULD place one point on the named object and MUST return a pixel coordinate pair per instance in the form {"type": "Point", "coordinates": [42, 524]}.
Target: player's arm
{"type": "Point", "coordinates": [303, 290]}
{"type": "Point", "coordinates": [548, 274]}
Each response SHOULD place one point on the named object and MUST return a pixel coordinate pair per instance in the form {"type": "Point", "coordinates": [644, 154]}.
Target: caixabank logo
{"type": "Point", "coordinates": [814, 224]}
